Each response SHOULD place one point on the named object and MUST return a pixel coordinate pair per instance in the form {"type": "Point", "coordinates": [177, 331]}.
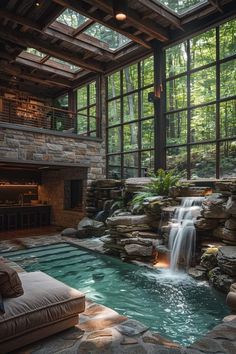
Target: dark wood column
{"type": "Point", "coordinates": [159, 104]}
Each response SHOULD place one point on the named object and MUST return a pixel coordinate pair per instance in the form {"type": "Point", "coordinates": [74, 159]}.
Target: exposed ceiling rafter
{"type": "Point", "coordinates": [28, 40]}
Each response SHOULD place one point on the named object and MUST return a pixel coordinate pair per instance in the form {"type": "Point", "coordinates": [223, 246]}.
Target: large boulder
{"type": "Point", "coordinates": [209, 260]}
{"type": "Point", "coordinates": [231, 224]}
{"type": "Point", "coordinates": [128, 220]}
{"type": "Point", "coordinates": [229, 236]}
{"type": "Point", "coordinates": [70, 232]}
{"type": "Point", "coordinates": [89, 227]}
{"type": "Point", "coordinates": [214, 208]}
{"type": "Point", "coordinates": [226, 258]}
{"type": "Point", "coordinates": [206, 224]}
{"type": "Point", "coordinates": [138, 250]}
{"type": "Point", "coordinates": [220, 280]}
{"type": "Point", "coordinates": [231, 205]}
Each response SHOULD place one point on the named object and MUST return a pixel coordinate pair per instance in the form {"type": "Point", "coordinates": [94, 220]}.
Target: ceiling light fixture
{"type": "Point", "coordinates": [120, 8]}
{"type": "Point", "coordinates": [37, 3]}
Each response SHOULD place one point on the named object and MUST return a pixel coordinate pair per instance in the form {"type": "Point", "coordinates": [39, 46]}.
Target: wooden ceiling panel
{"type": "Point", "coordinates": [23, 24]}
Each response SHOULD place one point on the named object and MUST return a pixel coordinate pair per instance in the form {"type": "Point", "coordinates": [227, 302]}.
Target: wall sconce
{"type": "Point", "coordinates": [120, 9]}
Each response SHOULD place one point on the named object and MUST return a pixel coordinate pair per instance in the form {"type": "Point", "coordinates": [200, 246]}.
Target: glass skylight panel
{"type": "Point", "coordinates": [36, 52]}
{"type": "Point", "coordinates": [181, 6]}
{"type": "Point", "coordinates": [113, 39]}
{"type": "Point", "coordinates": [72, 19]}
{"type": "Point", "coordinates": [64, 65]}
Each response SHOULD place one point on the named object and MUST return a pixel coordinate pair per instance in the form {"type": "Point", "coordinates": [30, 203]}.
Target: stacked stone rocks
{"type": "Point", "coordinates": [101, 195]}
{"type": "Point", "coordinates": [213, 216]}
{"type": "Point", "coordinates": [131, 237]}
{"type": "Point", "coordinates": [229, 230]}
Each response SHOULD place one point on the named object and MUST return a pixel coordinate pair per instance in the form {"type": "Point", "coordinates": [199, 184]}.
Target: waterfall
{"type": "Point", "coordinates": [182, 238]}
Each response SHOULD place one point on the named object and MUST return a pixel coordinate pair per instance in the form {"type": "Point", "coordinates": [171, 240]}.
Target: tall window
{"type": "Point", "coordinates": [87, 110]}
{"type": "Point", "coordinates": [130, 120]}
{"type": "Point", "coordinates": [201, 104]}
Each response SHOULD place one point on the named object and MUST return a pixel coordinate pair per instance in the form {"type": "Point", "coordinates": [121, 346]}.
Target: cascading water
{"type": "Point", "coordinates": [182, 239]}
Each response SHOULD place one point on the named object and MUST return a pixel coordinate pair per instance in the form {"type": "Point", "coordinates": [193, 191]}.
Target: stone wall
{"type": "Point", "coordinates": [31, 145]}
{"type": "Point", "coordinates": [24, 144]}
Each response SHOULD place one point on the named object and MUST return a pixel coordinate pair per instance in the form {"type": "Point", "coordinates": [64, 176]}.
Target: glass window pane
{"type": "Point", "coordinates": [228, 119]}
{"type": "Point", "coordinates": [147, 71]}
{"type": "Point", "coordinates": [114, 166]}
{"type": "Point", "coordinates": [203, 124]}
{"type": "Point", "coordinates": [92, 118]}
{"type": "Point", "coordinates": [203, 161]}
{"type": "Point", "coordinates": [82, 97]}
{"type": "Point", "coordinates": [203, 86]}
{"type": "Point", "coordinates": [228, 79]}
{"type": "Point", "coordinates": [228, 159]}
{"type": "Point", "coordinates": [71, 18]}
{"type": "Point", "coordinates": [176, 158]}
{"type": "Point", "coordinates": [113, 39]}
{"type": "Point", "coordinates": [130, 107]}
{"type": "Point", "coordinates": [181, 6]}
{"type": "Point", "coordinates": [130, 78]}
{"type": "Point", "coordinates": [130, 136]}
{"type": "Point", "coordinates": [203, 49]}
{"type": "Point", "coordinates": [82, 121]}
{"type": "Point", "coordinates": [92, 93]}
{"type": "Point", "coordinates": [228, 39]}
{"type": "Point", "coordinates": [176, 59]}
{"type": "Point", "coordinates": [114, 112]}
{"type": "Point", "coordinates": [147, 108]}
{"type": "Point", "coordinates": [176, 93]}
{"type": "Point", "coordinates": [147, 133]}
{"type": "Point", "coordinates": [62, 102]}
{"type": "Point", "coordinates": [113, 83]}
{"type": "Point", "coordinates": [131, 165]}
{"type": "Point", "coordinates": [114, 139]}
{"type": "Point", "coordinates": [147, 162]}
{"type": "Point", "coordinates": [62, 65]}
{"type": "Point", "coordinates": [176, 128]}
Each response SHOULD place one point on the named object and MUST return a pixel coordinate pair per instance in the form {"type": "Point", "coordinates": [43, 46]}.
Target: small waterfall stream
{"type": "Point", "coordinates": [182, 238]}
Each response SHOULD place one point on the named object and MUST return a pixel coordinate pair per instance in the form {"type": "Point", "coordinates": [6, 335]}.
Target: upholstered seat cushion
{"type": "Point", "coordinates": [10, 284]}
{"type": "Point", "coordinates": [45, 301]}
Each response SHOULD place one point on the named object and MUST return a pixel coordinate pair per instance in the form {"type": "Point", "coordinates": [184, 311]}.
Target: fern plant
{"type": "Point", "coordinates": [160, 184]}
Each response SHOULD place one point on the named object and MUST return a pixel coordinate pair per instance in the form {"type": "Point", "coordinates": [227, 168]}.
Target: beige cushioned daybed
{"type": "Point", "coordinates": [46, 307]}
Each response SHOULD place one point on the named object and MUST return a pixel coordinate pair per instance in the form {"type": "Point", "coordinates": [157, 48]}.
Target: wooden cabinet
{"type": "Point", "coordinates": [23, 217]}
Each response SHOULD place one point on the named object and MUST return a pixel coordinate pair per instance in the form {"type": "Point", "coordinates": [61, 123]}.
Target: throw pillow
{"type": "Point", "coordinates": [10, 283]}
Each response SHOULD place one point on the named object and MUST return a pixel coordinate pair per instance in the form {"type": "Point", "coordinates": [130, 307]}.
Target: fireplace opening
{"type": "Point", "coordinates": [73, 194]}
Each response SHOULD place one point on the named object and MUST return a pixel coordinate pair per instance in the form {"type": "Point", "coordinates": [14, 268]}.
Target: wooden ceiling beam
{"type": "Point", "coordinates": [44, 67]}
{"type": "Point", "coordinates": [28, 40]}
{"type": "Point", "coordinates": [23, 74]}
{"type": "Point", "coordinates": [56, 32]}
{"type": "Point", "coordinates": [20, 20]}
{"type": "Point", "coordinates": [83, 9]}
{"type": "Point", "coordinates": [147, 26]}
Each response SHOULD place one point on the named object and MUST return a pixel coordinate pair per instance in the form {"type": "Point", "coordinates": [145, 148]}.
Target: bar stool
{"type": "Point", "coordinates": [11, 221]}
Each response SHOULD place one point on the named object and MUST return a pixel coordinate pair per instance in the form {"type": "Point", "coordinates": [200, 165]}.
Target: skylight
{"type": "Point", "coordinates": [63, 65]}
{"type": "Point", "coordinates": [39, 55]}
{"type": "Point", "coordinates": [113, 39]}
{"type": "Point", "coordinates": [181, 6]}
{"type": "Point", "coordinates": [72, 19]}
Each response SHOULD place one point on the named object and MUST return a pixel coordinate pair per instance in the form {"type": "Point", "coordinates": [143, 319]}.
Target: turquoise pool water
{"type": "Point", "coordinates": [177, 306]}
